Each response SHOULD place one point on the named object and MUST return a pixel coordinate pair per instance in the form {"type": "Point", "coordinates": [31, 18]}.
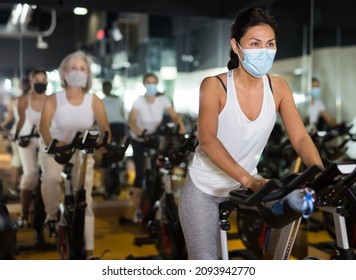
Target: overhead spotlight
{"type": "Point", "coordinates": [16, 14]}
{"type": "Point", "coordinates": [24, 12]}
{"type": "Point", "coordinates": [40, 43]}
{"type": "Point", "coordinates": [80, 11]}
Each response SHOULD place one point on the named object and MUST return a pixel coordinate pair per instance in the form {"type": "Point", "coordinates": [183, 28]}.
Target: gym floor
{"type": "Point", "coordinates": [114, 240]}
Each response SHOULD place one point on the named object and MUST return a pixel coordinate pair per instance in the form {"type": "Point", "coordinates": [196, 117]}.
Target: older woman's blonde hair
{"type": "Point", "coordinates": [66, 62]}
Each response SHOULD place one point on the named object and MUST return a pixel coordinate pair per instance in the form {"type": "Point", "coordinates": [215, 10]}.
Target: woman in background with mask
{"type": "Point", "coordinates": [319, 117]}
{"type": "Point", "coordinates": [237, 111]}
{"type": "Point", "coordinates": [146, 115]}
{"type": "Point", "coordinates": [29, 109]}
{"type": "Point", "coordinates": [64, 113]}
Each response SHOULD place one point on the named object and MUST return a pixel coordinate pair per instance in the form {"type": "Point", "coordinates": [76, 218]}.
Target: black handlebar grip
{"type": "Point", "coordinates": [299, 180]}
{"type": "Point", "coordinates": [246, 198]}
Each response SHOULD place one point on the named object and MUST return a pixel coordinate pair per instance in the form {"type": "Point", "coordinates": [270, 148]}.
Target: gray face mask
{"type": "Point", "coordinates": [75, 78]}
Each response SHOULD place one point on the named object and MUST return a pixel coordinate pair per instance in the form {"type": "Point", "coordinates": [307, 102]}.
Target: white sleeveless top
{"type": "Point", "coordinates": [68, 118]}
{"type": "Point", "coordinates": [32, 118]}
{"type": "Point", "coordinates": [244, 140]}
{"type": "Point", "coordinates": [150, 115]}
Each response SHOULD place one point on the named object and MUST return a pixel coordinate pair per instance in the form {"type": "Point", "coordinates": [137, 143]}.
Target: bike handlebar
{"type": "Point", "coordinates": [273, 189]}
{"type": "Point", "coordinates": [24, 141]}
{"type": "Point", "coordinates": [63, 154]}
{"type": "Point", "coordinates": [321, 138]}
{"type": "Point", "coordinates": [336, 188]}
{"type": "Point", "coordinates": [116, 153]}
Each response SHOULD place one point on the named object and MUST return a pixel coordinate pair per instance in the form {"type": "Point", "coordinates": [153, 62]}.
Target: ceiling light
{"type": "Point", "coordinates": [16, 13]}
{"type": "Point", "coordinates": [80, 11]}
{"type": "Point", "coordinates": [24, 12]}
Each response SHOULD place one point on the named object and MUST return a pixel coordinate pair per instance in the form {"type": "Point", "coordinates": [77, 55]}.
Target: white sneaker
{"type": "Point", "coordinates": [22, 223]}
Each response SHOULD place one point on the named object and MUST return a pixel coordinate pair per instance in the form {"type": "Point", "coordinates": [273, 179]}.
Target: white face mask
{"type": "Point", "coordinates": [75, 78]}
{"type": "Point", "coordinates": [151, 89]}
{"type": "Point", "coordinates": [257, 62]}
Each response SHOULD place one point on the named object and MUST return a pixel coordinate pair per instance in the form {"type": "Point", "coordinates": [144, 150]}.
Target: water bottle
{"type": "Point", "coordinates": [302, 201]}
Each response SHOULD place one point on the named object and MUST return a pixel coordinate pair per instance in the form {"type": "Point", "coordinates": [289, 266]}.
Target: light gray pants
{"type": "Point", "coordinates": [199, 217]}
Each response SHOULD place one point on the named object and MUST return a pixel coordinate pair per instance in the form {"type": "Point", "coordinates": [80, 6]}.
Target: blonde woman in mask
{"type": "Point", "coordinates": [146, 115]}
{"type": "Point", "coordinates": [64, 113]}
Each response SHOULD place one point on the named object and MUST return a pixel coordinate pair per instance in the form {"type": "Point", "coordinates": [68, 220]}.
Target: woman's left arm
{"type": "Point", "coordinates": [295, 129]}
{"type": "Point", "coordinates": [100, 116]}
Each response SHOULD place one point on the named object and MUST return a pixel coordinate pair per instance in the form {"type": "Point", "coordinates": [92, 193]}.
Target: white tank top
{"type": "Point", "coordinates": [68, 118]}
{"type": "Point", "coordinates": [244, 139]}
{"type": "Point", "coordinates": [150, 115]}
{"type": "Point", "coordinates": [32, 118]}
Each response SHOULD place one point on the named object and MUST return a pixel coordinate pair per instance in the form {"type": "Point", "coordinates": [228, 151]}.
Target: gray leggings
{"type": "Point", "coordinates": [199, 217]}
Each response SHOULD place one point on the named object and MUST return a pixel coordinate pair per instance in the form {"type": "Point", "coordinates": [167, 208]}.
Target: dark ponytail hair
{"type": "Point", "coordinates": [245, 20]}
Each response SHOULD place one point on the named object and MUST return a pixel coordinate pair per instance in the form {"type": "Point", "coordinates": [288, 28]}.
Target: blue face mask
{"type": "Point", "coordinates": [315, 92]}
{"type": "Point", "coordinates": [257, 62]}
{"type": "Point", "coordinates": [151, 89]}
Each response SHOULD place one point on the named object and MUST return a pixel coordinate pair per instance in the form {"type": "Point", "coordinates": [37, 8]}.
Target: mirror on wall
{"type": "Point", "coordinates": [334, 47]}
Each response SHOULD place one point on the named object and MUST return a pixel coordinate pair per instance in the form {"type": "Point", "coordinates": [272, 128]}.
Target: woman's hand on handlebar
{"type": "Point", "coordinates": [60, 144]}
{"type": "Point", "coordinates": [255, 183]}
{"type": "Point", "coordinates": [102, 149]}
{"type": "Point", "coordinates": [182, 130]}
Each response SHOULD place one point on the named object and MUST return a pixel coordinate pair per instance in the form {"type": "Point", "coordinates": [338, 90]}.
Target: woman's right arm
{"type": "Point", "coordinates": [21, 108]}
{"type": "Point", "coordinates": [211, 101]}
{"type": "Point", "coordinates": [49, 107]}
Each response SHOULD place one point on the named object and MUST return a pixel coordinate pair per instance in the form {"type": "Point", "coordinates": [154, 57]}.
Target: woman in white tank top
{"type": "Point", "coordinates": [29, 109]}
{"type": "Point", "coordinates": [236, 116]}
{"type": "Point", "coordinates": [65, 113]}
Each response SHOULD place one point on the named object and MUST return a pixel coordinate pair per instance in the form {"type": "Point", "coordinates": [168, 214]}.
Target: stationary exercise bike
{"type": "Point", "coordinates": [164, 229]}
{"type": "Point", "coordinates": [274, 204]}
{"type": "Point", "coordinates": [331, 146]}
{"type": "Point", "coordinates": [165, 226]}
{"type": "Point", "coordinates": [70, 238]}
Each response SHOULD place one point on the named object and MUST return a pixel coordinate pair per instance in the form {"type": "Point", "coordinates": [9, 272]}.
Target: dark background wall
{"type": "Point", "coordinates": [186, 27]}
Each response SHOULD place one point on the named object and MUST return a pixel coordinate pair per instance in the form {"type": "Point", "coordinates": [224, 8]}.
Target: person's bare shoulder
{"type": "Point", "coordinates": [212, 83]}
{"type": "Point", "coordinates": [279, 85]}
